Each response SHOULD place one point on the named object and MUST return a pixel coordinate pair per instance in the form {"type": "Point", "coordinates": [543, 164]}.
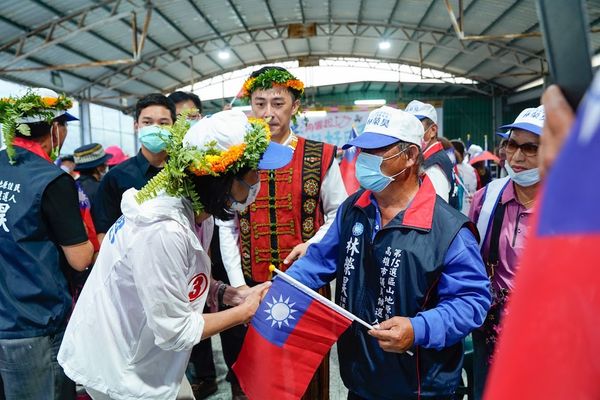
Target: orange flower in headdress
{"type": "Point", "coordinates": [49, 101]}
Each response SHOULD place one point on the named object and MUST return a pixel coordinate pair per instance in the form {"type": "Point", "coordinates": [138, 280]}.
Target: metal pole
{"type": "Point", "coordinates": [86, 122]}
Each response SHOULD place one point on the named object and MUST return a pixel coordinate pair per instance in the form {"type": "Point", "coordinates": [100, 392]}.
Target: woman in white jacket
{"type": "Point", "coordinates": [140, 312]}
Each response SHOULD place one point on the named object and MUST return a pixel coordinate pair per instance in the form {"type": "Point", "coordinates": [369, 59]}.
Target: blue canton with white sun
{"type": "Point", "coordinates": [280, 311]}
{"type": "Point", "coordinates": [277, 316]}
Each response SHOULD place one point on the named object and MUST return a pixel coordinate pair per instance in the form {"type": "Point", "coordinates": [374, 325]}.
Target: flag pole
{"type": "Point", "coordinates": [305, 289]}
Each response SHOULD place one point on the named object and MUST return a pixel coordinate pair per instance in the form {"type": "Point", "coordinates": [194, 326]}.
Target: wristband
{"type": "Point", "coordinates": [221, 293]}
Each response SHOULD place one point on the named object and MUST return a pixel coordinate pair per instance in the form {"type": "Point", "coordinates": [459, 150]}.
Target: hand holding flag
{"type": "Point", "coordinates": [288, 337]}
{"type": "Point", "coordinates": [395, 335]}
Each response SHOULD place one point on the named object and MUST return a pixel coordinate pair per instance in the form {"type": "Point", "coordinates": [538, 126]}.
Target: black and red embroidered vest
{"type": "Point", "coordinates": [287, 210]}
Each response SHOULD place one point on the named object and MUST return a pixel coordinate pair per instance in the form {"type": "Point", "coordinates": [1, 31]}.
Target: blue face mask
{"type": "Point", "coordinates": [154, 138]}
{"type": "Point", "coordinates": [192, 122]}
{"type": "Point", "coordinates": [368, 171]}
{"type": "Point", "coordinates": [524, 178]}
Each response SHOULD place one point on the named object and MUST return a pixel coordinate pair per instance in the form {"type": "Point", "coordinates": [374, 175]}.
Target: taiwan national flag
{"type": "Point", "coordinates": [549, 347]}
{"type": "Point", "coordinates": [285, 343]}
{"type": "Point", "coordinates": [348, 166]}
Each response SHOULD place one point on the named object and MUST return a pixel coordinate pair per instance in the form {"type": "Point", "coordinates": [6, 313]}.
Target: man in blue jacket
{"type": "Point", "coordinates": [405, 261]}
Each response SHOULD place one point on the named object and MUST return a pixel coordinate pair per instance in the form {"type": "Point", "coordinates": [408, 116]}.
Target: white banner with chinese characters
{"type": "Point", "coordinates": [335, 126]}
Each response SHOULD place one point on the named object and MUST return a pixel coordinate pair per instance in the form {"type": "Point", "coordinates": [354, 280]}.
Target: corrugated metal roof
{"type": "Point", "coordinates": [184, 38]}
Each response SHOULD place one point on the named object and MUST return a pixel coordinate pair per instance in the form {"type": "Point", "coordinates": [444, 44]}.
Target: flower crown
{"type": "Point", "coordinates": [272, 77]}
{"type": "Point", "coordinates": [15, 110]}
{"type": "Point", "coordinates": [208, 160]}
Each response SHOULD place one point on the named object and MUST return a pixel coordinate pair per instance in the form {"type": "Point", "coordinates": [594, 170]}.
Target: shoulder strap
{"type": "Point", "coordinates": [493, 192]}
{"type": "Point", "coordinates": [494, 253]}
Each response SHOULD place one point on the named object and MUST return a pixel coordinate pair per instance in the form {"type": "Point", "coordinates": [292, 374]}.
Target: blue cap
{"type": "Point", "coordinates": [371, 140]}
{"type": "Point", "coordinates": [276, 156]}
{"type": "Point", "coordinates": [70, 117]}
{"type": "Point", "coordinates": [530, 119]}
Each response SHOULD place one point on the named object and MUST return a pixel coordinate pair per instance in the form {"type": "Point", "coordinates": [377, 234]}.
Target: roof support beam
{"type": "Point", "coordinates": [61, 39]}
{"type": "Point", "coordinates": [214, 29]}
{"type": "Point", "coordinates": [496, 52]}
{"type": "Point", "coordinates": [360, 14]}
{"type": "Point", "coordinates": [393, 12]}
{"type": "Point", "coordinates": [330, 20]}
{"type": "Point", "coordinates": [510, 69]}
{"type": "Point", "coordinates": [241, 19]}
{"type": "Point", "coordinates": [302, 11]}
{"type": "Point", "coordinates": [449, 38]}
{"type": "Point", "coordinates": [103, 5]}
{"type": "Point", "coordinates": [206, 45]}
{"type": "Point", "coordinates": [52, 24]}
{"type": "Point", "coordinates": [270, 11]}
{"type": "Point", "coordinates": [48, 67]}
{"type": "Point", "coordinates": [178, 30]}
{"type": "Point", "coordinates": [460, 34]}
{"type": "Point", "coordinates": [412, 37]}
{"type": "Point", "coordinates": [30, 83]}
{"type": "Point", "coordinates": [146, 37]}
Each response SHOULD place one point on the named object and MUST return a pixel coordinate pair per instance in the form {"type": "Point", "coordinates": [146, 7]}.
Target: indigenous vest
{"type": "Point", "coordinates": [287, 210]}
{"type": "Point", "coordinates": [34, 295]}
{"type": "Point", "coordinates": [437, 156]}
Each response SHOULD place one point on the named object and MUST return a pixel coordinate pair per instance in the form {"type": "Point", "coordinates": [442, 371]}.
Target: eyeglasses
{"type": "Point", "coordinates": [528, 149]}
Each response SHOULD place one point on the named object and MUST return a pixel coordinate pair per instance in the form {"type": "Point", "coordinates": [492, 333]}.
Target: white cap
{"type": "Point", "coordinates": [422, 110]}
{"type": "Point", "coordinates": [474, 150]}
{"type": "Point", "coordinates": [43, 92]}
{"type": "Point", "coordinates": [387, 125]}
{"type": "Point", "coordinates": [530, 119]}
{"type": "Point", "coordinates": [229, 128]}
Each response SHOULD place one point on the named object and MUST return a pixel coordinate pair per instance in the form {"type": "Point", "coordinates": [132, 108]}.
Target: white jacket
{"type": "Point", "coordinates": [140, 312]}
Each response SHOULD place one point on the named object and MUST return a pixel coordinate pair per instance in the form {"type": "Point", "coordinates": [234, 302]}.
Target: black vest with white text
{"type": "Point", "coordinates": [394, 274]}
{"type": "Point", "coordinates": [34, 295]}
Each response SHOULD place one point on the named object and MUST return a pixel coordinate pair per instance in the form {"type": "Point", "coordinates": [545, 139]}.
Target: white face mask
{"type": "Point", "coordinates": [524, 178]}
{"type": "Point", "coordinates": [253, 190]}
{"type": "Point", "coordinates": [425, 143]}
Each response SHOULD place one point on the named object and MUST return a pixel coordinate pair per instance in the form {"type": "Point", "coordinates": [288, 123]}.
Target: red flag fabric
{"type": "Point", "coordinates": [348, 166]}
{"type": "Point", "coordinates": [549, 347]}
{"type": "Point", "coordinates": [285, 343]}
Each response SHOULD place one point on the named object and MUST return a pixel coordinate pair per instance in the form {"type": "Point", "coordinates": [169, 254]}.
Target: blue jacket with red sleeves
{"type": "Point", "coordinates": [424, 265]}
